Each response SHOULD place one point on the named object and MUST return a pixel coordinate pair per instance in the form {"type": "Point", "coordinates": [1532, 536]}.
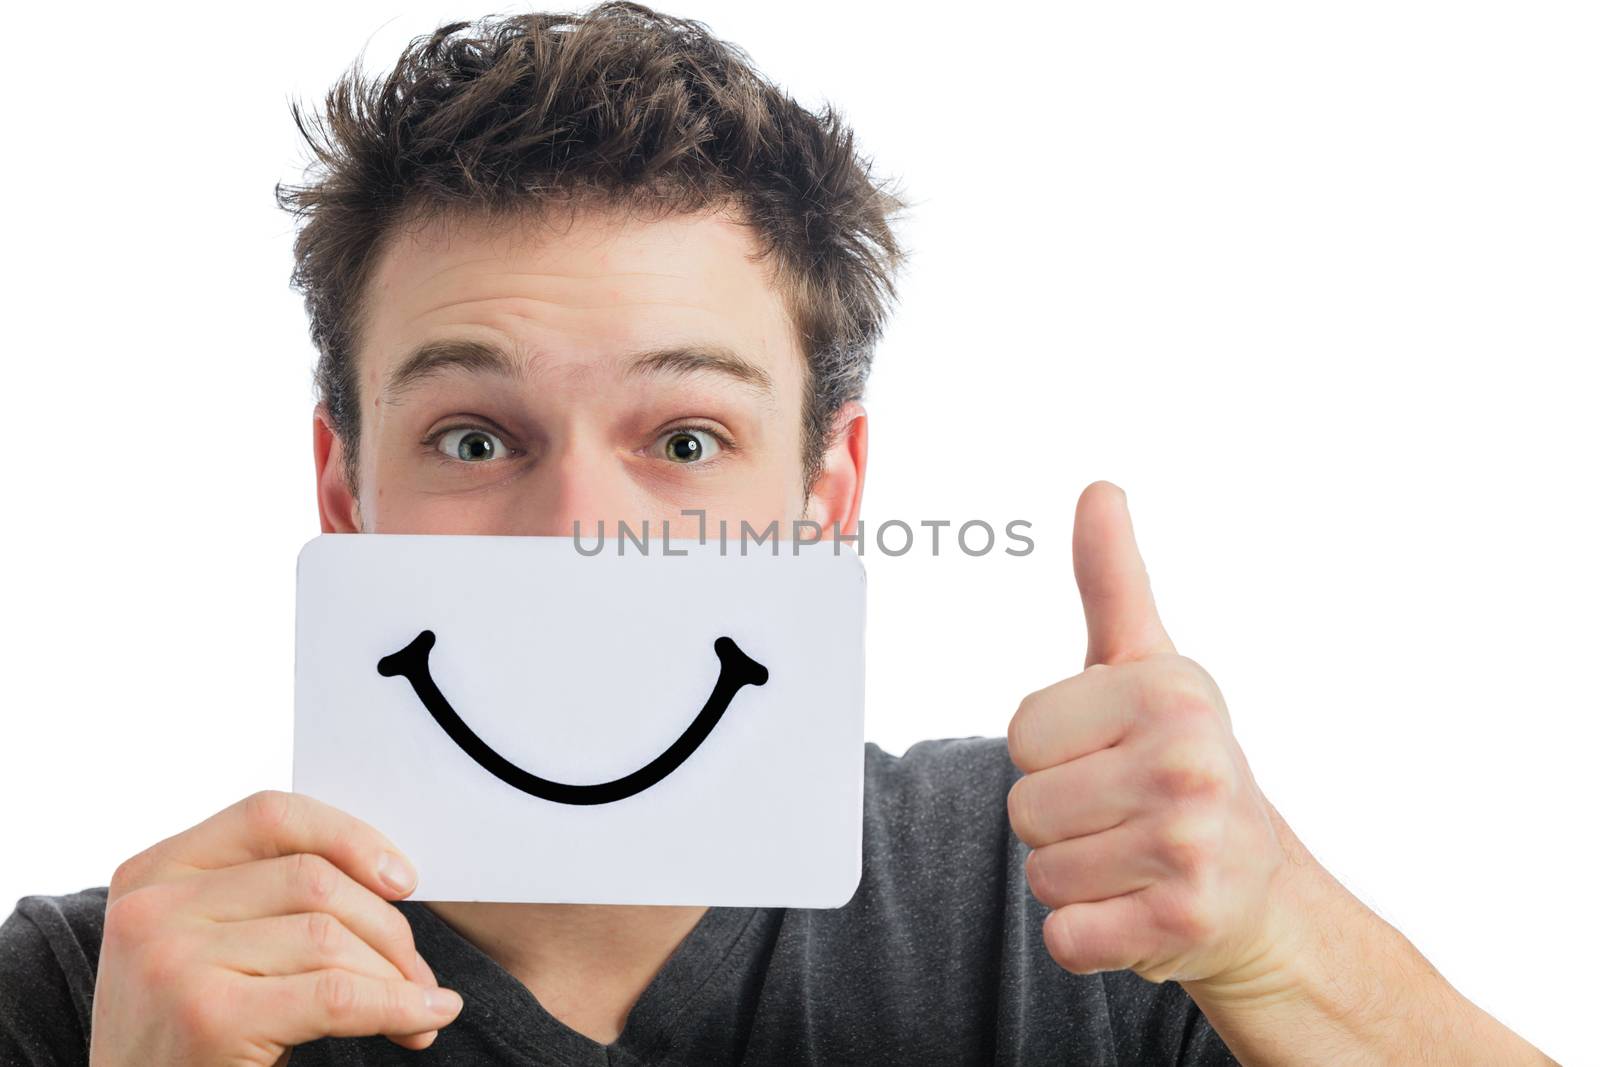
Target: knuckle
{"type": "Point", "coordinates": [1020, 732]}
{"type": "Point", "coordinates": [1041, 879]}
{"type": "Point", "coordinates": [1066, 946]}
{"type": "Point", "coordinates": [347, 841]}
{"type": "Point", "coordinates": [202, 1013]}
{"type": "Point", "coordinates": [1192, 925]}
{"type": "Point", "coordinates": [1190, 773]}
{"type": "Point", "coordinates": [163, 961]}
{"type": "Point", "coordinates": [132, 917]}
{"type": "Point", "coordinates": [314, 878]}
{"type": "Point", "coordinates": [1182, 916]}
{"type": "Point", "coordinates": [1188, 847]}
{"type": "Point", "coordinates": [398, 1001]}
{"type": "Point", "coordinates": [266, 812]}
{"type": "Point", "coordinates": [1181, 705]}
{"type": "Point", "coordinates": [128, 875]}
{"type": "Point", "coordinates": [396, 928]}
{"type": "Point", "coordinates": [393, 931]}
{"type": "Point", "coordinates": [1177, 694]}
{"type": "Point", "coordinates": [1192, 670]}
{"type": "Point", "coordinates": [1189, 859]}
{"type": "Point", "coordinates": [1021, 809]}
{"type": "Point", "coordinates": [337, 994]}
{"type": "Point", "coordinates": [325, 934]}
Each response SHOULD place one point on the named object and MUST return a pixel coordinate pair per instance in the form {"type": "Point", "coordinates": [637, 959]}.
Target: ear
{"type": "Point", "coordinates": [836, 496]}
{"type": "Point", "coordinates": [336, 505]}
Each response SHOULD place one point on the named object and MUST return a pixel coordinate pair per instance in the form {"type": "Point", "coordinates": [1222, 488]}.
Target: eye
{"type": "Point", "coordinates": [688, 445]}
{"type": "Point", "coordinates": [471, 445]}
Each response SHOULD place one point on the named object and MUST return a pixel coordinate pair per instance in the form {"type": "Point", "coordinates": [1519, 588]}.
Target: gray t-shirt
{"type": "Point", "coordinates": [937, 958]}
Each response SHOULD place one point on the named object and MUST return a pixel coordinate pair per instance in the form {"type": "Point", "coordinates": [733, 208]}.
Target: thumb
{"type": "Point", "coordinates": [1118, 606]}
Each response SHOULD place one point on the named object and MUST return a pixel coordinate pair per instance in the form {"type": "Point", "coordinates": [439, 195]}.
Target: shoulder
{"type": "Point", "coordinates": [966, 756]}
{"type": "Point", "coordinates": [49, 951]}
{"type": "Point", "coordinates": [942, 803]}
{"type": "Point", "coordinates": [949, 773]}
{"type": "Point", "coordinates": [60, 931]}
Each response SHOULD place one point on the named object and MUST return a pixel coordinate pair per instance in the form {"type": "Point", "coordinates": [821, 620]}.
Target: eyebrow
{"type": "Point", "coordinates": [432, 358]}
{"type": "Point", "coordinates": [694, 359]}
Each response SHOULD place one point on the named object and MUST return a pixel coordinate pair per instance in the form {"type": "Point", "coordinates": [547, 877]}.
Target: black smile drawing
{"type": "Point", "coordinates": [738, 670]}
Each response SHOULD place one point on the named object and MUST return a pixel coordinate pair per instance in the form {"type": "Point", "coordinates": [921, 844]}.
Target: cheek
{"type": "Point", "coordinates": [398, 511]}
{"type": "Point", "coordinates": [400, 496]}
{"type": "Point", "coordinates": [755, 490]}
{"type": "Point", "coordinates": [528, 512]}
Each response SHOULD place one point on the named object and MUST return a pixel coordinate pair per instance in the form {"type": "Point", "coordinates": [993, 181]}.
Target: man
{"type": "Point", "coordinates": [573, 268]}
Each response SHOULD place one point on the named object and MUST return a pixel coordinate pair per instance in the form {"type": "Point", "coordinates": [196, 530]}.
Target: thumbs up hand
{"type": "Point", "coordinates": [1151, 842]}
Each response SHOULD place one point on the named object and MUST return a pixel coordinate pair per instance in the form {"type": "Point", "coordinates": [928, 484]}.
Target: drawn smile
{"type": "Point", "coordinates": [738, 670]}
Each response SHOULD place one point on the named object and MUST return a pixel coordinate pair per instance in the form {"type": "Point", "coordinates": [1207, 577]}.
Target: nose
{"type": "Point", "coordinates": [579, 484]}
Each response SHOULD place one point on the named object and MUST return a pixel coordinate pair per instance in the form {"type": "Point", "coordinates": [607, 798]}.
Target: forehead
{"type": "Point", "coordinates": [579, 291]}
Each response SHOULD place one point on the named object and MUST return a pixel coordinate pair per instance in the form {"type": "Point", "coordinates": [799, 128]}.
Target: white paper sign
{"type": "Point", "coordinates": [530, 723]}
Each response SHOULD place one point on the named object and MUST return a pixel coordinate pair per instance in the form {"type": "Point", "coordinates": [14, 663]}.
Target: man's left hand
{"type": "Point", "coordinates": [1152, 844]}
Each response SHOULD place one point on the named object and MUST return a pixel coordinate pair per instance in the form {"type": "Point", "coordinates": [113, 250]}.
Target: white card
{"type": "Point", "coordinates": [530, 723]}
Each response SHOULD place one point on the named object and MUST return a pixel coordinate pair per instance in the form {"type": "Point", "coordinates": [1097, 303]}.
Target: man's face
{"type": "Point", "coordinates": [518, 381]}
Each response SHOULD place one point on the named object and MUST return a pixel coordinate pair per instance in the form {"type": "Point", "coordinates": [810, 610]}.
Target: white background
{"type": "Point", "coordinates": [1315, 283]}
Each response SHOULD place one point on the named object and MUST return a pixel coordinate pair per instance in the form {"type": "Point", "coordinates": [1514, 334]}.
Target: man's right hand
{"type": "Point", "coordinates": [264, 927]}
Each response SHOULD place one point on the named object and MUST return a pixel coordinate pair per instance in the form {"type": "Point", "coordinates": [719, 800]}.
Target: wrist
{"type": "Point", "coordinates": [1326, 980]}
{"type": "Point", "coordinates": [1287, 956]}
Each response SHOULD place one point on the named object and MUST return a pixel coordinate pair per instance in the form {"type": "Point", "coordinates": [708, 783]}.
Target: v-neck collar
{"type": "Point", "coordinates": [497, 1003]}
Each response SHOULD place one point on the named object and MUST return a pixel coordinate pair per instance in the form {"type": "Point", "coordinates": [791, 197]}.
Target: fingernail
{"type": "Point", "coordinates": [396, 873]}
{"type": "Point", "coordinates": [442, 1001]}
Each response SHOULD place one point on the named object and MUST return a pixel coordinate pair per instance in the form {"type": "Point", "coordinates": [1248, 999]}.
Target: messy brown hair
{"type": "Point", "coordinates": [620, 106]}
